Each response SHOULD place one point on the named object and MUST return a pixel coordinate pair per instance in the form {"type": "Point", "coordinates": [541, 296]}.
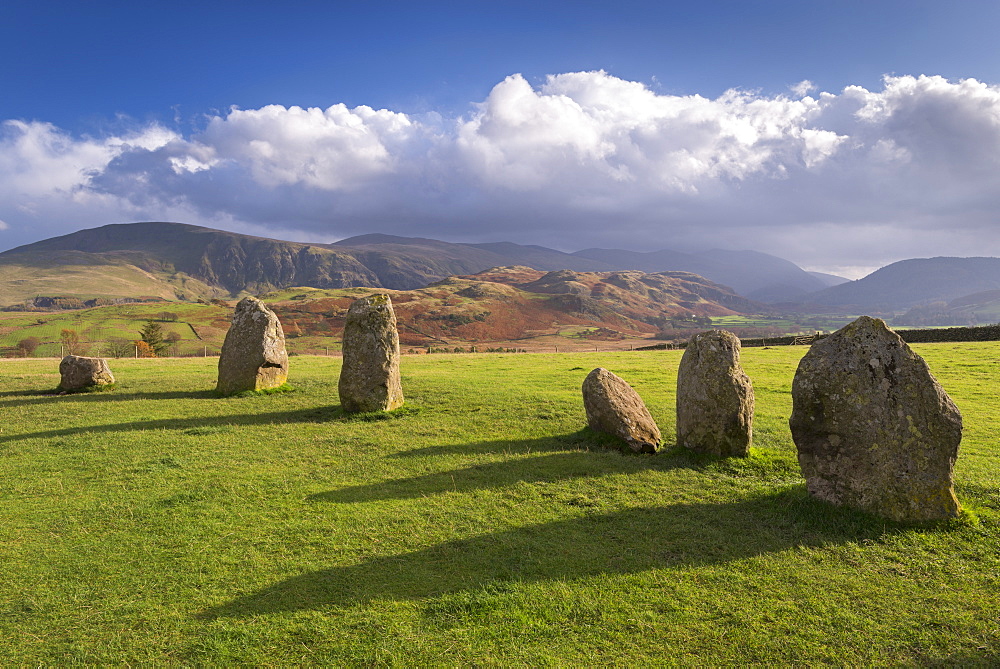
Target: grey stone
{"type": "Point", "coordinates": [77, 372]}
{"type": "Point", "coordinates": [615, 408]}
{"type": "Point", "coordinates": [369, 379]}
{"type": "Point", "coordinates": [715, 401]}
{"type": "Point", "coordinates": [874, 429]}
{"type": "Point", "coordinates": [253, 354]}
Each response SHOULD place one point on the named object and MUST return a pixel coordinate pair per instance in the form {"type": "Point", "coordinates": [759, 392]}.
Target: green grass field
{"type": "Point", "coordinates": [480, 525]}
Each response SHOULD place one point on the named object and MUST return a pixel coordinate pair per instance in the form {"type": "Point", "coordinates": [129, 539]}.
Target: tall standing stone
{"type": "Point", "coordinates": [614, 407]}
{"type": "Point", "coordinates": [253, 354]}
{"type": "Point", "coordinates": [873, 428]}
{"type": "Point", "coordinates": [77, 372]}
{"type": "Point", "coordinates": [369, 379]}
{"type": "Point", "coordinates": [715, 400]}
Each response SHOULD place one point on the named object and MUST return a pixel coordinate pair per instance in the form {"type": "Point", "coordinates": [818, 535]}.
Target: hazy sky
{"type": "Point", "coordinates": [840, 135]}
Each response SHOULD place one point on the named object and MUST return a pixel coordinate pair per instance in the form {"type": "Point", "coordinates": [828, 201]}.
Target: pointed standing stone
{"type": "Point", "coordinates": [78, 372]}
{"type": "Point", "coordinates": [253, 354]}
{"type": "Point", "coordinates": [873, 428]}
{"type": "Point", "coordinates": [714, 396]}
{"type": "Point", "coordinates": [614, 407]}
{"type": "Point", "coordinates": [369, 379]}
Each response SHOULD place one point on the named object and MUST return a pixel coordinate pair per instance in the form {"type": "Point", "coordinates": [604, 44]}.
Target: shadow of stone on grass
{"type": "Point", "coordinates": [583, 439]}
{"type": "Point", "coordinates": [310, 415]}
{"type": "Point", "coordinates": [118, 394]}
{"type": "Point", "coordinates": [621, 542]}
{"type": "Point", "coordinates": [557, 463]}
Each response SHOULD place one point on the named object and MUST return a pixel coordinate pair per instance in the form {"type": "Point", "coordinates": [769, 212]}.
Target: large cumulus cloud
{"type": "Point", "coordinates": [840, 180]}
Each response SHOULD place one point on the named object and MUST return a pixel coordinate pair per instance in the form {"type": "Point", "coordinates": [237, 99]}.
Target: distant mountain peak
{"type": "Point", "coordinates": [239, 263]}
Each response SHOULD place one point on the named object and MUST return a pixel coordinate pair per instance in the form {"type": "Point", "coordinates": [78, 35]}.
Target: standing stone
{"type": "Point", "coordinates": [253, 354]}
{"type": "Point", "coordinates": [615, 408]}
{"type": "Point", "coordinates": [369, 379]}
{"type": "Point", "coordinates": [714, 396]}
{"type": "Point", "coordinates": [80, 372]}
{"type": "Point", "coordinates": [873, 428]}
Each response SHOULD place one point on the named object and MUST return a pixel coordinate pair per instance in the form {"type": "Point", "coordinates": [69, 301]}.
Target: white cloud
{"type": "Point", "coordinates": [854, 178]}
{"type": "Point", "coordinates": [803, 88]}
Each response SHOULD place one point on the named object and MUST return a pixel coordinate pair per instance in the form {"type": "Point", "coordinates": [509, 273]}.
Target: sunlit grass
{"type": "Point", "coordinates": [481, 524]}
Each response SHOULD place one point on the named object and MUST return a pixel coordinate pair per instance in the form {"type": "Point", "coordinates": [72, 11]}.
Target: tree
{"type": "Point", "coordinates": [172, 339]}
{"type": "Point", "coordinates": [28, 346]}
{"type": "Point", "coordinates": [152, 334]}
{"type": "Point", "coordinates": [71, 343]}
{"type": "Point", "coordinates": [120, 348]}
{"type": "Point", "coordinates": [144, 350]}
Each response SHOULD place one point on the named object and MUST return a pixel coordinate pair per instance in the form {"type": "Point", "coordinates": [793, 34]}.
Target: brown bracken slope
{"type": "Point", "coordinates": [511, 303]}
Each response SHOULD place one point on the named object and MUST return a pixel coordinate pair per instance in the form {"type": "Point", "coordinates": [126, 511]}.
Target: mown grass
{"type": "Point", "coordinates": [479, 525]}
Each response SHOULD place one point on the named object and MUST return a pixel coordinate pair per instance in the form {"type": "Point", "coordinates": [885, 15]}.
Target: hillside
{"type": "Point", "coordinates": [175, 261]}
{"type": "Point", "coordinates": [503, 305]}
{"type": "Point", "coordinates": [179, 261]}
{"type": "Point", "coordinates": [755, 275]}
{"type": "Point", "coordinates": [509, 303]}
{"type": "Point", "coordinates": [908, 283]}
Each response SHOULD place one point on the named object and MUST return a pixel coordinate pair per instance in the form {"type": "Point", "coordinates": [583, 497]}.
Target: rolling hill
{"type": "Point", "coordinates": [502, 305]}
{"type": "Point", "coordinates": [908, 283]}
{"type": "Point", "coordinates": [175, 261]}
{"type": "Point", "coordinates": [755, 275]}
{"type": "Point", "coordinates": [178, 261]}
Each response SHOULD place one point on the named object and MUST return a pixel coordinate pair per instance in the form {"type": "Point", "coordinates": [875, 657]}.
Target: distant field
{"type": "Point", "coordinates": [198, 326]}
{"type": "Point", "coordinates": [805, 325]}
{"type": "Point", "coordinates": [202, 329]}
{"type": "Point", "coordinates": [480, 525]}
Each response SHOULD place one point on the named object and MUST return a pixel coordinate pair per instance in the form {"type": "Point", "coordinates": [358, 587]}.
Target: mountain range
{"type": "Point", "coordinates": [176, 261]}
{"type": "Point", "coordinates": [179, 261]}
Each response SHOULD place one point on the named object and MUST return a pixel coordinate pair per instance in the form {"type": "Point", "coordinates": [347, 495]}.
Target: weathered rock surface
{"type": "Point", "coordinates": [79, 372]}
{"type": "Point", "coordinates": [369, 379]}
{"type": "Point", "coordinates": [715, 401]}
{"type": "Point", "coordinates": [873, 428]}
{"type": "Point", "coordinates": [253, 354]}
{"type": "Point", "coordinates": [614, 407]}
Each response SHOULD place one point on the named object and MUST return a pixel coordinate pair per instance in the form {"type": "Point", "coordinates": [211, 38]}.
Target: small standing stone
{"type": "Point", "coordinates": [369, 378]}
{"type": "Point", "coordinates": [874, 429]}
{"type": "Point", "coordinates": [253, 354]}
{"type": "Point", "coordinates": [715, 400]}
{"type": "Point", "coordinates": [80, 372]}
{"type": "Point", "coordinates": [614, 407]}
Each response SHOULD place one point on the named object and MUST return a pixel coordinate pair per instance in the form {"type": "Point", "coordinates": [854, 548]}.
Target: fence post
{"type": "Point", "coordinates": [136, 351]}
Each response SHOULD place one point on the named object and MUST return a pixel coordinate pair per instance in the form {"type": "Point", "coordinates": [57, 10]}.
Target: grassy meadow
{"type": "Point", "coordinates": [479, 525]}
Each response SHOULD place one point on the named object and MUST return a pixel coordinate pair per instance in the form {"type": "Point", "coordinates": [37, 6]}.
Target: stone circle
{"type": "Point", "coordinates": [369, 378]}
{"type": "Point", "coordinates": [77, 372]}
{"type": "Point", "coordinates": [873, 427]}
{"type": "Point", "coordinates": [253, 354]}
{"type": "Point", "coordinates": [715, 400]}
{"type": "Point", "coordinates": [615, 408]}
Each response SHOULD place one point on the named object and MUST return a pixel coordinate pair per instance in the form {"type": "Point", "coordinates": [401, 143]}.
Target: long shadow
{"type": "Point", "coordinates": [584, 438]}
{"type": "Point", "coordinates": [550, 467]}
{"type": "Point", "coordinates": [49, 396]}
{"type": "Point", "coordinates": [622, 542]}
{"type": "Point", "coordinates": [310, 415]}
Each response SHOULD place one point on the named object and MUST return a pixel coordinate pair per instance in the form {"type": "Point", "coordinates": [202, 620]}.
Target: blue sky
{"type": "Point", "coordinates": [765, 125]}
